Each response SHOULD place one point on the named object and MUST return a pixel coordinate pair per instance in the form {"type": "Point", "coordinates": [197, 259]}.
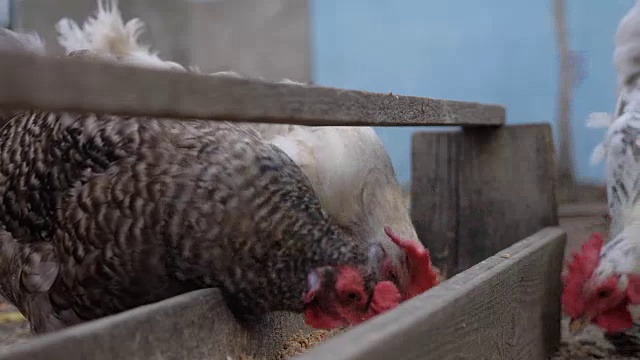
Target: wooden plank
{"type": "Point", "coordinates": [58, 84]}
{"type": "Point", "coordinates": [434, 199]}
{"type": "Point", "coordinates": [487, 187]}
{"type": "Point", "coordinates": [507, 189]}
{"type": "Point", "coordinates": [194, 326]}
{"type": "Point", "coordinates": [506, 307]}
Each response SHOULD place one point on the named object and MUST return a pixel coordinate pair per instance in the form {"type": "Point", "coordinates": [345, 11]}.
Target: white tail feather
{"type": "Point", "coordinates": [598, 154]}
{"type": "Point", "coordinates": [599, 120]}
{"type": "Point", "coordinates": [71, 37]}
{"type": "Point", "coordinates": [106, 33]}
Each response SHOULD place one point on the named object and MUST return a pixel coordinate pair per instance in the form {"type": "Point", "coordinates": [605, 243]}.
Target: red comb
{"type": "Point", "coordinates": [579, 270]}
{"type": "Point", "coordinates": [422, 275]}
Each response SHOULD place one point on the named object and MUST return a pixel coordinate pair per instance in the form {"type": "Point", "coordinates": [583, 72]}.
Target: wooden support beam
{"type": "Point", "coordinates": [193, 326]}
{"type": "Point", "coordinates": [506, 307]}
{"type": "Point", "coordinates": [479, 190]}
{"type": "Point", "coordinates": [62, 84]}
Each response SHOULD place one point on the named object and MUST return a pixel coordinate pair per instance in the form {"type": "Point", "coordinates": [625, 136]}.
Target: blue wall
{"type": "Point", "coordinates": [493, 51]}
{"type": "Point", "coordinates": [4, 13]}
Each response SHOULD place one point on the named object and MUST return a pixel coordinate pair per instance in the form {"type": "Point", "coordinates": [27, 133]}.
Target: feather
{"type": "Point", "coordinates": [627, 48]}
{"type": "Point", "coordinates": [598, 154]}
{"type": "Point", "coordinates": [621, 149]}
{"type": "Point", "coordinates": [106, 33]}
{"type": "Point", "coordinates": [599, 120]}
{"type": "Point", "coordinates": [71, 37]}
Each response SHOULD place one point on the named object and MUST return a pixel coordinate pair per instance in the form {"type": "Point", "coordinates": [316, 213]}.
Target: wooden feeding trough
{"type": "Point", "coordinates": [483, 202]}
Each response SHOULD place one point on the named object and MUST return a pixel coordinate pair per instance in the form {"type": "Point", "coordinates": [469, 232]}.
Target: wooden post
{"type": "Point", "coordinates": [434, 195]}
{"type": "Point", "coordinates": [480, 190]}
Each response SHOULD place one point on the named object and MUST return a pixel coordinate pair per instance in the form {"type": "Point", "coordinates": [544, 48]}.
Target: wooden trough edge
{"type": "Point", "coordinates": [506, 307]}
{"type": "Point", "coordinates": [194, 326]}
{"type": "Point", "coordinates": [77, 85]}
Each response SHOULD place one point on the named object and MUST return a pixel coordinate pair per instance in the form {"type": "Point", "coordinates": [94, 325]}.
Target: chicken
{"type": "Point", "coordinates": [353, 176]}
{"type": "Point", "coordinates": [101, 214]}
{"type": "Point", "coordinates": [602, 284]}
{"type": "Point", "coordinates": [348, 166]}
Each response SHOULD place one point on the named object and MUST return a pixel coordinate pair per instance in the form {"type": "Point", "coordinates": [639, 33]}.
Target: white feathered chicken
{"type": "Point", "coordinates": [348, 166]}
{"type": "Point", "coordinates": [602, 285]}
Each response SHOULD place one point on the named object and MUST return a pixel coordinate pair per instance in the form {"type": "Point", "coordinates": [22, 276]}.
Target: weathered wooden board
{"type": "Point", "coordinates": [62, 84]}
{"type": "Point", "coordinates": [194, 326]}
{"type": "Point", "coordinates": [506, 307]}
{"type": "Point", "coordinates": [434, 196]}
{"type": "Point", "coordinates": [480, 190]}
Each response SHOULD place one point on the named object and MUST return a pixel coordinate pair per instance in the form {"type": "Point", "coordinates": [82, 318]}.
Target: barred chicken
{"type": "Point", "coordinates": [101, 214]}
{"type": "Point", "coordinates": [348, 166]}
{"type": "Point", "coordinates": [602, 284]}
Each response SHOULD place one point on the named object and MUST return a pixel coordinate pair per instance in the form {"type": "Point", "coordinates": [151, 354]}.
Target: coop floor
{"type": "Point", "coordinates": [13, 327]}
{"type": "Point", "coordinates": [578, 220]}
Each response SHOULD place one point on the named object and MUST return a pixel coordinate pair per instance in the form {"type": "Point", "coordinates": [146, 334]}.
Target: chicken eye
{"type": "Point", "coordinates": [604, 293]}
{"type": "Point", "coordinates": [391, 275]}
{"type": "Point", "coordinates": [352, 296]}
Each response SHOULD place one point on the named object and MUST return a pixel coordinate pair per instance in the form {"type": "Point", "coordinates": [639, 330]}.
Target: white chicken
{"type": "Point", "coordinates": [602, 285]}
{"type": "Point", "coordinates": [348, 166]}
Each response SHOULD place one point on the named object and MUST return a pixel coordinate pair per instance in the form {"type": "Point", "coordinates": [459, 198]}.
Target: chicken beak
{"type": "Point", "coordinates": [578, 324]}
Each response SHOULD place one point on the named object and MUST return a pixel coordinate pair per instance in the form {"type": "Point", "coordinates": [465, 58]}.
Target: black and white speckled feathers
{"type": "Point", "coordinates": [101, 214]}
